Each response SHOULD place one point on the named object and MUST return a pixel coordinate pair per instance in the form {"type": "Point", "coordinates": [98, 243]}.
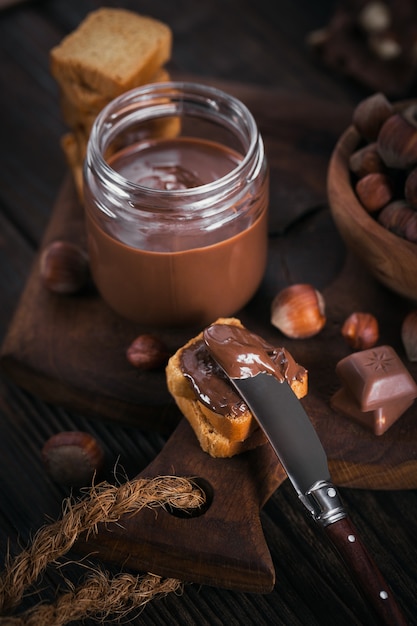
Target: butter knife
{"type": "Point", "coordinates": [290, 432]}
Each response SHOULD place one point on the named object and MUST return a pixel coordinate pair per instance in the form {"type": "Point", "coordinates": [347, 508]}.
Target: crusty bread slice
{"type": "Point", "coordinates": [74, 143]}
{"type": "Point", "coordinates": [177, 383]}
{"type": "Point", "coordinates": [83, 118]}
{"type": "Point", "coordinates": [211, 441]}
{"type": "Point", "coordinates": [74, 160]}
{"type": "Point", "coordinates": [219, 435]}
{"type": "Point", "coordinates": [111, 51]}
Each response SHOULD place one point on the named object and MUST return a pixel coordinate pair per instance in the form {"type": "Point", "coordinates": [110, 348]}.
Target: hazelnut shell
{"type": "Point", "coordinates": [64, 267]}
{"type": "Point", "coordinates": [147, 352]}
{"type": "Point", "coordinates": [361, 330]}
{"type": "Point", "coordinates": [298, 311]}
{"type": "Point", "coordinates": [370, 114]}
{"type": "Point", "coordinates": [397, 142]}
{"type": "Point", "coordinates": [72, 458]}
{"type": "Point", "coordinates": [374, 191]}
{"type": "Point", "coordinates": [409, 335]}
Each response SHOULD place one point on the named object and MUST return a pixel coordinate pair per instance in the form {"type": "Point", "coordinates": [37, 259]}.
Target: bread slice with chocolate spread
{"type": "Point", "coordinates": [223, 424]}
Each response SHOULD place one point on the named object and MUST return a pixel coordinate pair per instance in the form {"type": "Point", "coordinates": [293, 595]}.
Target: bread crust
{"type": "Point", "coordinates": [218, 435]}
{"type": "Point", "coordinates": [111, 51]}
{"type": "Point", "coordinates": [76, 116]}
{"type": "Point", "coordinates": [72, 152]}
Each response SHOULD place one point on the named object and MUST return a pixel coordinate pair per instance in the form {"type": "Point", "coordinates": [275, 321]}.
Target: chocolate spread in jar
{"type": "Point", "coordinates": [178, 278]}
{"type": "Point", "coordinates": [207, 378]}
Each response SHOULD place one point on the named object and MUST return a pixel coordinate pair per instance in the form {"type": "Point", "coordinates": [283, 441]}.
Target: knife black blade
{"type": "Point", "coordinates": [246, 363]}
{"type": "Point", "coordinates": [294, 438]}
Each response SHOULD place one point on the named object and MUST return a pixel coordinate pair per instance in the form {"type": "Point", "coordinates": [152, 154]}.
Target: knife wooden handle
{"type": "Point", "coordinates": [365, 571]}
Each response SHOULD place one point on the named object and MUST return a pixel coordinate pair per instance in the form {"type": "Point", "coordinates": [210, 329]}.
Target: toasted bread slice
{"type": "Point", "coordinates": [111, 51]}
{"type": "Point", "coordinates": [73, 156]}
{"type": "Point", "coordinates": [219, 435]}
{"type": "Point", "coordinates": [84, 118]}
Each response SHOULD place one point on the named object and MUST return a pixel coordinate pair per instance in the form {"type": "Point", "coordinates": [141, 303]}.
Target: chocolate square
{"type": "Point", "coordinates": [378, 420]}
{"type": "Point", "coordinates": [376, 378]}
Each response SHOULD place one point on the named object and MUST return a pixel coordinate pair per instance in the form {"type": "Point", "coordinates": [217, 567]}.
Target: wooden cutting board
{"type": "Point", "coordinates": [224, 546]}
{"type": "Point", "coordinates": [71, 350]}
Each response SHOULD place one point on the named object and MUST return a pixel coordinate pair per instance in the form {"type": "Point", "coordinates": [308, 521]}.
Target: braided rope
{"type": "Point", "coordinates": [102, 503]}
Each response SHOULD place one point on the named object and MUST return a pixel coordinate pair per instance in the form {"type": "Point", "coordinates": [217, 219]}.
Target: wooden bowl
{"type": "Point", "coordinates": [391, 259]}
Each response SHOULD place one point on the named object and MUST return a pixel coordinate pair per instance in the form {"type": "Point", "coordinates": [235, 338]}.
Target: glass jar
{"type": "Point", "coordinates": [176, 197]}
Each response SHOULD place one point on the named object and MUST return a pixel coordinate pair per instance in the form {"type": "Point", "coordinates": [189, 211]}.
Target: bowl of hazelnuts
{"type": "Point", "coordinates": [372, 190]}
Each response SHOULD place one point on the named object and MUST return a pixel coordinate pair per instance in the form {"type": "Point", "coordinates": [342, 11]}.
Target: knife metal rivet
{"type": "Point", "coordinates": [383, 595]}
{"type": "Point", "coordinates": [331, 492]}
{"type": "Point", "coordinates": [351, 538]}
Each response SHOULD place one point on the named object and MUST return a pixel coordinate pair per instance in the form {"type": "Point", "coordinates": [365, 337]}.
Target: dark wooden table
{"type": "Point", "coordinates": [257, 44]}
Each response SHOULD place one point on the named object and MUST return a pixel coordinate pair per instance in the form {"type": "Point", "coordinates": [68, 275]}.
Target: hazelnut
{"type": "Point", "coordinates": [410, 113]}
{"type": "Point", "coordinates": [374, 191]}
{"type": "Point", "coordinates": [64, 267]}
{"type": "Point", "coordinates": [370, 114]}
{"type": "Point", "coordinates": [397, 216]}
{"type": "Point", "coordinates": [366, 160]}
{"type": "Point", "coordinates": [72, 458]}
{"type": "Point", "coordinates": [410, 188]}
{"type": "Point", "coordinates": [147, 352]}
{"type": "Point", "coordinates": [411, 228]}
{"type": "Point", "coordinates": [361, 331]}
{"type": "Point", "coordinates": [298, 311]}
{"type": "Point", "coordinates": [397, 142]}
{"type": "Point", "coordinates": [409, 335]}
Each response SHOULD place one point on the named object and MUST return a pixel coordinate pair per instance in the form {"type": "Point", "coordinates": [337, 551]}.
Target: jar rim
{"type": "Point", "coordinates": [179, 91]}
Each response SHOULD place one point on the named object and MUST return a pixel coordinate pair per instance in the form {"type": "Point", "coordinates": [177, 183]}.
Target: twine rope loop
{"type": "Point", "coordinates": [99, 595]}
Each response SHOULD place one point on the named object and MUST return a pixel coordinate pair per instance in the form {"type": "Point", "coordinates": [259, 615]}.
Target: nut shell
{"type": "Point", "coordinates": [409, 335]}
{"type": "Point", "coordinates": [401, 219]}
{"type": "Point", "coordinates": [374, 191]}
{"type": "Point", "coordinates": [361, 330]}
{"type": "Point", "coordinates": [72, 458]}
{"type": "Point", "coordinates": [370, 115]}
{"type": "Point", "coordinates": [64, 267]}
{"type": "Point", "coordinates": [147, 352]}
{"type": "Point", "coordinates": [397, 142]}
{"type": "Point", "coordinates": [366, 160]}
{"type": "Point", "coordinates": [410, 188]}
{"type": "Point", "coordinates": [298, 311]}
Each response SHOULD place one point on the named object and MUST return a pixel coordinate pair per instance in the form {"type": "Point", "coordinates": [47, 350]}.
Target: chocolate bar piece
{"type": "Point", "coordinates": [378, 420]}
{"type": "Point", "coordinates": [377, 388]}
